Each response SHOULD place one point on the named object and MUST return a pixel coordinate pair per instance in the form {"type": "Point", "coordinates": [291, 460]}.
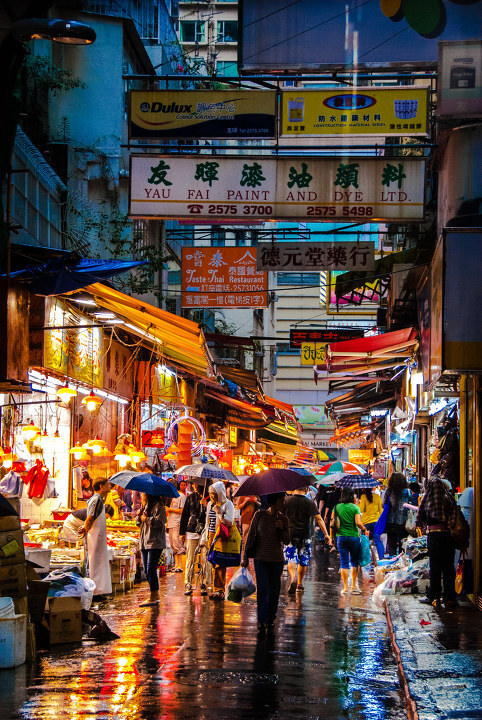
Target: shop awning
{"type": "Point", "coordinates": [245, 378]}
{"type": "Point", "coordinates": [180, 341]}
{"type": "Point", "coordinates": [367, 354]}
{"type": "Point", "coordinates": [236, 404]}
{"type": "Point", "coordinates": [283, 407]}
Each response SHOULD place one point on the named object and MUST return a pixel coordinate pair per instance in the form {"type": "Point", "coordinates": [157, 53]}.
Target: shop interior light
{"type": "Point", "coordinates": [123, 459]}
{"type": "Point", "coordinates": [65, 393]}
{"type": "Point", "coordinates": [137, 456]}
{"type": "Point", "coordinates": [79, 453]}
{"type": "Point", "coordinates": [96, 445]}
{"type": "Point", "coordinates": [91, 401]}
{"type": "Point", "coordinates": [8, 459]}
{"type": "Point", "coordinates": [30, 431]}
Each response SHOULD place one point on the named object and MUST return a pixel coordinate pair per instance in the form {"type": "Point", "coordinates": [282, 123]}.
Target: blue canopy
{"type": "Point", "coordinates": [62, 275]}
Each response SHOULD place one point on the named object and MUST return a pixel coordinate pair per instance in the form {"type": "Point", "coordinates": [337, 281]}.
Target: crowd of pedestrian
{"type": "Point", "coordinates": [208, 530]}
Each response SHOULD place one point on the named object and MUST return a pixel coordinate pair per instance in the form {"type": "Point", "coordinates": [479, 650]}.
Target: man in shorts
{"type": "Point", "coordinates": [301, 512]}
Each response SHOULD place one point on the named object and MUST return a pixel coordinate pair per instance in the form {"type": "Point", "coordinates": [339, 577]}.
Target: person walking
{"type": "Point", "coordinates": [174, 512]}
{"type": "Point", "coordinates": [219, 510]}
{"type": "Point", "coordinates": [437, 513]}
{"type": "Point", "coordinates": [268, 532]}
{"type": "Point", "coordinates": [95, 533]}
{"type": "Point", "coordinates": [371, 509]}
{"type": "Point", "coordinates": [396, 495]}
{"type": "Point", "coordinates": [151, 519]}
{"type": "Point", "coordinates": [347, 514]}
{"type": "Point", "coordinates": [192, 523]}
{"type": "Point", "coordinates": [301, 512]}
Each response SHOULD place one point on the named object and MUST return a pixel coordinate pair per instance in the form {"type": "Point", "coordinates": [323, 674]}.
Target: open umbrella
{"type": "Point", "coordinates": [205, 470]}
{"type": "Point", "coordinates": [273, 480]}
{"type": "Point", "coordinates": [144, 482]}
{"type": "Point", "coordinates": [357, 482]}
{"type": "Point", "coordinates": [341, 466]}
{"type": "Point", "coordinates": [328, 479]}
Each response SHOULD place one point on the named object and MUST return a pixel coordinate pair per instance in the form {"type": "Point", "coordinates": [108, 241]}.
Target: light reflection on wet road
{"type": "Point", "coordinates": [189, 659]}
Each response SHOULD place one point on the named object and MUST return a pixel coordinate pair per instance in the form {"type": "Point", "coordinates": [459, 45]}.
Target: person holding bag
{"type": "Point", "coordinates": [190, 529]}
{"type": "Point", "coordinates": [224, 510]}
{"type": "Point", "coordinates": [346, 520]}
{"type": "Point", "coordinates": [268, 532]}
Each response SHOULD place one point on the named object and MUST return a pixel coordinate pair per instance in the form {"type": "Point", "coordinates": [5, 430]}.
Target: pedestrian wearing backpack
{"type": "Point", "coordinates": [437, 514]}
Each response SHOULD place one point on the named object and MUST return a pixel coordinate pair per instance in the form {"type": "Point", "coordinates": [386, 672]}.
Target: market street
{"type": "Point", "coordinates": [330, 657]}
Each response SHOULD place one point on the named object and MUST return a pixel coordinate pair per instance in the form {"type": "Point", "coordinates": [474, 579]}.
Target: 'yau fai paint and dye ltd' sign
{"type": "Point", "coordinates": [355, 111]}
{"type": "Point", "coordinates": [313, 256]}
{"type": "Point", "coordinates": [202, 114]}
{"type": "Point", "coordinates": [248, 187]}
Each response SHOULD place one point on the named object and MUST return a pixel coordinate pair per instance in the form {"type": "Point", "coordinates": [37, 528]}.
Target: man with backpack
{"type": "Point", "coordinates": [438, 514]}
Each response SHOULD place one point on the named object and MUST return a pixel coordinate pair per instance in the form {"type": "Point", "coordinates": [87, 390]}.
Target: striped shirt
{"type": "Point", "coordinates": [212, 520]}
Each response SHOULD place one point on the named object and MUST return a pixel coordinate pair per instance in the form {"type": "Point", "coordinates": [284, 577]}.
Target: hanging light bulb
{"type": "Point", "coordinates": [65, 393]}
{"type": "Point", "coordinates": [30, 431]}
{"type": "Point", "coordinates": [78, 452]}
{"type": "Point", "coordinates": [92, 402]}
{"type": "Point", "coordinates": [122, 459]}
{"type": "Point", "coordinates": [96, 445]}
{"type": "Point", "coordinates": [137, 456]}
{"type": "Point", "coordinates": [9, 459]}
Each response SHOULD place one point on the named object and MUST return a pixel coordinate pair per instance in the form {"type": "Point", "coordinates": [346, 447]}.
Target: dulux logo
{"type": "Point", "coordinates": [157, 107]}
{"type": "Point", "coordinates": [349, 101]}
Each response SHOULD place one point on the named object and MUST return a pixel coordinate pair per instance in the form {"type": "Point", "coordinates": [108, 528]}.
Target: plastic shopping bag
{"type": "Point", "coordinates": [241, 585]}
{"type": "Point", "coordinates": [365, 556]}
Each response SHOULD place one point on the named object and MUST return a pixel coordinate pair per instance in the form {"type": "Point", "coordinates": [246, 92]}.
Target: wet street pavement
{"type": "Point", "coordinates": [190, 658]}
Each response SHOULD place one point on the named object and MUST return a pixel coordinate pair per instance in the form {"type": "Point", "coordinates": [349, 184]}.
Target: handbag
{"type": "Point", "coordinates": [364, 557]}
{"type": "Point", "coordinates": [460, 531]}
{"type": "Point", "coordinates": [223, 531]}
{"type": "Point", "coordinates": [226, 553]}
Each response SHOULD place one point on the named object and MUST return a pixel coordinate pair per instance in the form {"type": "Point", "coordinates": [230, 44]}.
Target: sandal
{"type": "Point", "coordinates": [299, 588]}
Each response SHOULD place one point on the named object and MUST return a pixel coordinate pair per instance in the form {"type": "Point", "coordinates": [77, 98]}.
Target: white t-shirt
{"type": "Point", "coordinates": [174, 519]}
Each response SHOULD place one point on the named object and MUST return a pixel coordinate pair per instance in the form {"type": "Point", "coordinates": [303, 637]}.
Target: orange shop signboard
{"type": "Point", "coordinates": [216, 277]}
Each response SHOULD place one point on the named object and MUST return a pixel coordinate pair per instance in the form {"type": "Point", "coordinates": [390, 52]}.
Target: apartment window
{"type": "Point", "coordinates": [192, 31]}
{"type": "Point", "coordinates": [284, 349]}
{"type": "Point", "coordinates": [218, 236]}
{"type": "Point", "coordinates": [227, 31]}
{"type": "Point", "coordinates": [298, 278]}
{"type": "Point", "coordinates": [240, 237]}
{"type": "Point", "coordinates": [174, 277]}
{"type": "Point", "coordinates": [225, 68]}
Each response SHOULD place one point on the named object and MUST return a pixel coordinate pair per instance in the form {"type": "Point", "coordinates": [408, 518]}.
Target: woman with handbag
{"type": "Point", "coordinates": [346, 521]}
{"type": "Point", "coordinates": [268, 532]}
{"type": "Point", "coordinates": [190, 529]}
{"type": "Point", "coordinates": [223, 520]}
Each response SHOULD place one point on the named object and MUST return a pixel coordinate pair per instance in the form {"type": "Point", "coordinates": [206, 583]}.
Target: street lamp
{"type": "Point", "coordinates": [58, 30]}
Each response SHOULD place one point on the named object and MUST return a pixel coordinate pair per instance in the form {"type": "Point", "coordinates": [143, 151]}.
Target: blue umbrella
{"type": "Point", "coordinates": [357, 482]}
{"type": "Point", "coordinates": [144, 482]}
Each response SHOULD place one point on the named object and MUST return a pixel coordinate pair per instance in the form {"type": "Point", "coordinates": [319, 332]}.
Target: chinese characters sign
{"type": "Point", "coordinates": [217, 277]}
{"type": "Point", "coordinates": [296, 257]}
{"type": "Point", "coordinates": [355, 111]}
{"type": "Point", "coordinates": [321, 335]}
{"type": "Point", "coordinates": [267, 188]}
{"type": "Point", "coordinates": [206, 114]}
{"type": "Point", "coordinates": [313, 353]}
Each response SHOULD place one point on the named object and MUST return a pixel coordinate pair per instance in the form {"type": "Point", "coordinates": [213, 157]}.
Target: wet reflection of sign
{"type": "Point", "coordinates": [222, 277]}
{"type": "Point", "coordinates": [313, 353]}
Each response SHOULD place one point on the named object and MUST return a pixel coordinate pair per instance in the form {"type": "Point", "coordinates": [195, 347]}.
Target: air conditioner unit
{"type": "Point", "coordinates": [272, 297]}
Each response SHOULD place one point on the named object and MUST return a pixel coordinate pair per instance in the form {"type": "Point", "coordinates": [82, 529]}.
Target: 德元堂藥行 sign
{"type": "Point", "coordinates": [298, 257]}
{"type": "Point", "coordinates": [259, 188]}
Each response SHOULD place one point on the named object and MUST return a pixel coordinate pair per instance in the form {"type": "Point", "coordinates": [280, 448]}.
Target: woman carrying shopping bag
{"type": "Point", "coordinates": [346, 521]}
{"type": "Point", "coordinates": [224, 521]}
{"type": "Point", "coordinates": [268, 533]}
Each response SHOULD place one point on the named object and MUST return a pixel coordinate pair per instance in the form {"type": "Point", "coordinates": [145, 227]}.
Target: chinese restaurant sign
{"type": "Point", "coordinates": [361, 456]}
{"type": "Point", "coordinates": [355, 111]}
{"type": "Point", "coordinates": [294, 257]}
{"type": "Point", "coordinates": [324, 335]}
{"type": "Point", "coordinates": [215, 277]}
{"type": "Point", "coordinates": [267, 188]}
{"type": "Point", "coordinates": [313, 353]}
{"type": "Point", "coordinates": [206, 114]}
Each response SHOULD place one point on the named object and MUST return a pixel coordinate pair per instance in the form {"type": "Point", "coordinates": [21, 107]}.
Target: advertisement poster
{"type": "Point", "coordinates": [459, 89]}
{"type": "Point", "coordinates": [355, 111]}
{"type": "Point", "coordinates": [218, 277]}
{"type": "Point", "coordinates": [352, 189]}
{"type": "Point", "coordinates": [202, 114]}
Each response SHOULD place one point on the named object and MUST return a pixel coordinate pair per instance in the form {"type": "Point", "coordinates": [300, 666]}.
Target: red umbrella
{"type": "Point", "coordinates": [347, 468]}
{"type": "Point", "coordinates": [273, 480]}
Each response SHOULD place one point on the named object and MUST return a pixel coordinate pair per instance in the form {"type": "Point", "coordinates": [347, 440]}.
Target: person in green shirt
{"type": "Point", "coordinates": [347, 538]}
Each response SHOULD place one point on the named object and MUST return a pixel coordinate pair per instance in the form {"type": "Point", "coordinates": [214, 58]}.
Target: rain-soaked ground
{"type": "Point", "coordinates": [192, 658]}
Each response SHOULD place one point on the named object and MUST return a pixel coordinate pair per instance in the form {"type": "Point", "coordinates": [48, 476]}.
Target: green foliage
{"type": "Point", "coordinates": [45, 76]}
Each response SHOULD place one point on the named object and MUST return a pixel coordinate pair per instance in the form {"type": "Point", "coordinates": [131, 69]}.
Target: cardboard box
{"type": "Point", "coordinates": [12, 551]}
{"type": "Point", "coordinates": [13, 581]}
{"type": "Point", "coordinates": [118, 571]}
{"type": "Point", "coordinates": [9, 522]}
{"type": "Point", "coordinates": [65, 620]}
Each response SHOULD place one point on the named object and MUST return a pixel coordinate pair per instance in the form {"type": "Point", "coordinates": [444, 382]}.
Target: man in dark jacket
{"type": "Point", "coordinates": [190, 529]}
{"type": "Point", "coordinates": [437, 514]}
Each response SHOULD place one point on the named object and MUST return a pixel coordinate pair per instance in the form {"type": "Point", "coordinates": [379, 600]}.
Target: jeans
{"type": "Point", "coordinates": [376, 539]}
{"type": "Point", "coordinates": [150, 560]}
{"type": "Point", "coordinates": [395, 534]}
{"type": "Point", "coordinates": [349, 550]}
{"type": "Point", "coordinates": [441, 553]}
{"type": "Point", "coordinates": [268, 586]}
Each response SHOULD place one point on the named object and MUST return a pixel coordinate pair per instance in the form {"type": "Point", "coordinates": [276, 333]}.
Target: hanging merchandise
{"type": "Point", "coordinates": [11, 485]}
{"type": "Point", "coordinates": [36, 479]}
